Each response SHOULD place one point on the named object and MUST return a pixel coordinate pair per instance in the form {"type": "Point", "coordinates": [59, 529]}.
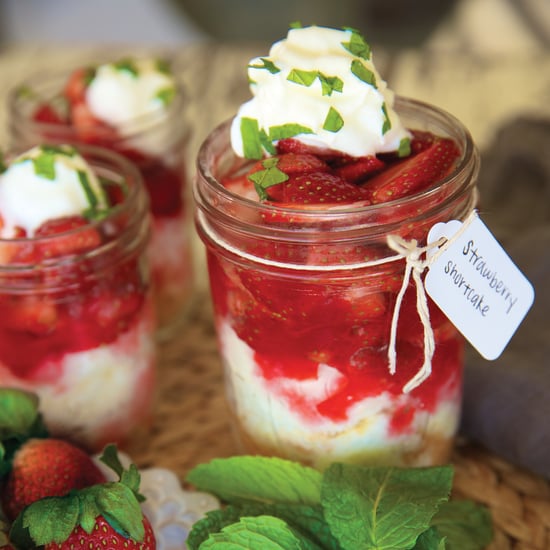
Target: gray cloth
{"type": "Point", "coordinates": [507, 401]}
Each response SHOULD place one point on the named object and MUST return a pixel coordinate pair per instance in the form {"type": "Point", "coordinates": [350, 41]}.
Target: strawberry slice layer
{"type": "Point", "coordinates": [415, 173]}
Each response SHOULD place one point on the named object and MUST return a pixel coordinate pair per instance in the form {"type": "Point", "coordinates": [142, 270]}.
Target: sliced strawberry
{"type": "Point", "coordinates": [78, 81]}
{"type": "Point", "coordinates": [357, 171]}
{"type": "Point", "coordinates": [303, 163]}
{"type": "Point", "coordinates": [291, 145]}
{"type": "Point", "coordinates": [47, 114]}
{"type": "Point", "coordinates": [73, 236]}
{"type": "Point", "coordinates": [319, 188]}
{"type": "Point", "coordinates": [414, 173]}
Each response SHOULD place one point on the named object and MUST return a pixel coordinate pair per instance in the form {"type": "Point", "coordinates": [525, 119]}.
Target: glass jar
{"type": "Point", "coordinates": [78, 327]}
{"type": "Point", "coordinates": [304, 327]}
{"type": "Point", "coordinates": [157, 145]}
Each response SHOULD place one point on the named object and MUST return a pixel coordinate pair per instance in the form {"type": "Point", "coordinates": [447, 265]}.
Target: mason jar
{"type": "Point", "coordinates": [77, 322]}
{"type": "Point", "coordinates": [304, 302]}
{"type": "Point", "coordinates": [157, 145]}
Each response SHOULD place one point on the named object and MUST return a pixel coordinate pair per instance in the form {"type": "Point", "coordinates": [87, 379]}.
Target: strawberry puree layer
{"type": "Point", "coordinates": [98, 395]}
{"type": "Point", "coordinates": [282, 415]}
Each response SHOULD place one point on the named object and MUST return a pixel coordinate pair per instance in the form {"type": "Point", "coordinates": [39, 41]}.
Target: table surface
{"type": "Point", "coordinates": [190, 425]}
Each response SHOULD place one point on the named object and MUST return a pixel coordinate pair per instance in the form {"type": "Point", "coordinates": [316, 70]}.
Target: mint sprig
{"type": "Point", "coordinates": [346, 507]}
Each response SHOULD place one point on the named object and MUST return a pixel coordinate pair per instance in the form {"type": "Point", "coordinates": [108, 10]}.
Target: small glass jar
{"type": "Point", "coordinates": [304, 327]}
{"type": "Point", "coordinates": [78, 328]}
{"type": "Point", "coordinates": [157, 145]}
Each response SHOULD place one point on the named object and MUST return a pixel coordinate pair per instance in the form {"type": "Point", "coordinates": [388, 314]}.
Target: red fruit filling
{"type": "Point", "coordinates": [294, 324]}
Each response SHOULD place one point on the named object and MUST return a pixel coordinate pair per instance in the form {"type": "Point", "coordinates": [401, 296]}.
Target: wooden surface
{"type": "Point", "coordinates": [191, 426]}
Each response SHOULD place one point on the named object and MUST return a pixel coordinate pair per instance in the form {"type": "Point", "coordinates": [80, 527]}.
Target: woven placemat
{"type": "Point", "coordinates": [191, 426]}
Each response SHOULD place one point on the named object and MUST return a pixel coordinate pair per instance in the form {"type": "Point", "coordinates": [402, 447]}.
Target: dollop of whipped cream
{"type": "Point", "coordinates": [45, 183]}
{"type": "Point", "coordinates": [319, 86]}
{"type": "Point", "coordinates": [121, 93]}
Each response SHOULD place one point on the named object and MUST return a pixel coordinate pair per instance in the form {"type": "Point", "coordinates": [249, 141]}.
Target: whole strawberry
{"type": "Point", "coordinates": [104, 516]}
{"type": "Point", "coordinates": [43, 468]}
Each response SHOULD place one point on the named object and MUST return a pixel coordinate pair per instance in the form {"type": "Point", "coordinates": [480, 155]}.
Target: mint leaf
{"type": "Point", "coordinates": [257, 478]}
{"type": "Point", "coordinates": [163, 66]}
{"type": "Point", "coordinates": [268, 65]}
{"type": "Point", "coordinates": [271, 175]}
{"type": "Point", "coordinates": [357, 45]}
{"type": "Point", "coordinates": [3, 166]}
{"type": "Point", "coordinates": [404, 149]}
{"type": "Point", "coordinates": [289, 130]}
{"type": "Point", "coordinates": [330, 84]}
{"type": "Point", "coordinates": [304, 78]}
{"type": "Point", "coordinates": [250, 134]}
{"type": "Point", "coordinates": [126, 65]}
{"type": "Point", "coordinates": [467, 525]}
{"type": "Point", "coordinates": [267, 143]}
{"type": "Point", "coordinates": [431, 540]}
{"type": "Point", "coordinates": [265, 532]}
{"type": "Point", "coordinates": [166, 95]}
{"type": "Point", "coordinates": [296, 25]}
{"type": "Point", "coordinates": [309, 520]}
{"type": "Point", "coordinates": [362, 73]}
{"type": "Point", "coordinates": [382, 508]}
{"type": "Point", "coordinates": [387, 122]}
{"type": "Point", "coordinates": [44, 165]}
{"type": "Point", "coordinates": [334, 121]}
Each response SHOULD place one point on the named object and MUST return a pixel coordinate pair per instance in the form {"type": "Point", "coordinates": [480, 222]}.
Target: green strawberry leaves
{"type": "Point", "coordinates": [279, 504]}
{"type": "Point", "coordinates": [52, 519]}
{"type": "Point", "coordinates": [20, 420]}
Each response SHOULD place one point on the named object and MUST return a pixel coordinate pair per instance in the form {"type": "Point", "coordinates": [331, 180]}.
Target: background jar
{"type": "Point", "coordinates": [78, 329]}
{"type": "Point", "coordinates": [303, 301]}
{"type": "Point", "coordinates": [157, 145]}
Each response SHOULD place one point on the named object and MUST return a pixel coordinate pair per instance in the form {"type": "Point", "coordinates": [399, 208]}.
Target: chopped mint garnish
{"type": "Point", "coordinates": [126, 65]}
{"type": "Point", "coordinates": [387, 122]}
{"type": "Point", "coordinates": [334, 121]}
{"type": "Point", "coordinates": [44, 165]}
{"type": "Point", "coordinates": [357, 45]}
{"type": "Point", "coordinates": [267, 143]}
{"type": "Point", "coordinates": [305, 78]}
{"type": "Point", "coordinates": [3, 166]}
{"type": "Point", "coordinates": [250, 134]}
{"type": "Point", "coordinates": [276, 503]}
{"type": "Point", "coordinates": [362, 73]}
{"type": "Point", "coordinates": [404, 149]}
{"type": "Point", "coordinates": [25, 92]}
{"type": "Point", "coordinates": [89, 75]}
{"type": "Point", "coordinates": [163, 66]}
{"type": "Point", "coordinates": [289, 130]}
{"type": "Point", "coordinates": [271, 175]}
{"type": "Point", "coordinates": [268, 65]}
{"type": "Point", "coordinates": [296, 25]}
{"type": "Point", "coordinates": [166, 95]}
{"type": "Point", "coordinates": [88, 191]}
{"type": "Point", "coordinates": [329, 84]}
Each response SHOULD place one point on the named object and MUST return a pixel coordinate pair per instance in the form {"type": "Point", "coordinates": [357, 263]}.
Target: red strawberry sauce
{"type": "Point", "coordinates": [294, 324]}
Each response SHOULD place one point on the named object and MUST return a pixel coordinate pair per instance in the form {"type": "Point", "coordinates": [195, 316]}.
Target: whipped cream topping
{"type": "Point", "coordinates": [320, 86]}
{"type": "Point", "coordinates": [45, 183]}
{"type": "Point", "coordinates": [124, 92]}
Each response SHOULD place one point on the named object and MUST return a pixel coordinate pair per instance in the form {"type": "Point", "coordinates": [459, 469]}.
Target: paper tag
{"type": "Point", "coordinates": [476, 284]}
